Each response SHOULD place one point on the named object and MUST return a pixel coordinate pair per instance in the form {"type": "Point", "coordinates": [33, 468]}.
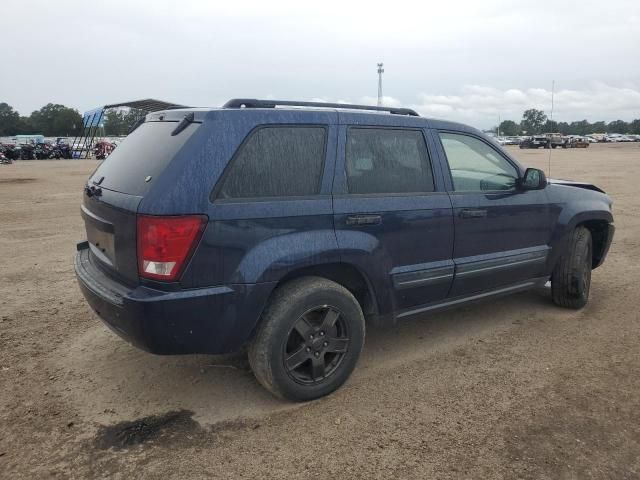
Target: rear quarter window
{"type": "Point", "coordinates": [276, 161]}
{"type": "Point", "coordinates": [146, 152]}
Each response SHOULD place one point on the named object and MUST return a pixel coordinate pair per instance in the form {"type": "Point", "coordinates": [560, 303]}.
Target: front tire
{"type": "Point", "coordinates": [571, 278]}
{"type": "Point", "coordinates": [309, 340]}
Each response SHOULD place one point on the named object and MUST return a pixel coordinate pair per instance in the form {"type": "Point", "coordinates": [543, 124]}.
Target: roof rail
{"type": "Point", "coordinates": [256, 103]}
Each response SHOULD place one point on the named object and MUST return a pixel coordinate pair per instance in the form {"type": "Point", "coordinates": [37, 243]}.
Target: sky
{"type": "Point", "coordinates": [470, 61]}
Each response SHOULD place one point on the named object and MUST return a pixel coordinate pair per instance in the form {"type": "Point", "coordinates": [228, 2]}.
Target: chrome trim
{"type": "Point", "coordinates": [423, 277]}
{"type": "Point", "coordinates": [480, 267]}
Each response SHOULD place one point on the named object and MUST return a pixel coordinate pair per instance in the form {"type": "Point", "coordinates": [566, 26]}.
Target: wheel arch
{"type": "Point", "coordinates": [599, 229]}
{"type": "Point", "coordinates": [344, 274]}
{"type": "Point", "coordinates": [598, 221]}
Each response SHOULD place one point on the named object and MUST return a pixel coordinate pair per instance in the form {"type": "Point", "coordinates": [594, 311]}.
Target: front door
{"type": "Point", "coordinates": [392, 216]}
{"type": "Point", "coordinates": [502, 233]}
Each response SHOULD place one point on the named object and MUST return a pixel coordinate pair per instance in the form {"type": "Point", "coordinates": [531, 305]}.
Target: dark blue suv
{"type": "Point", "coordinates": [286, 226]}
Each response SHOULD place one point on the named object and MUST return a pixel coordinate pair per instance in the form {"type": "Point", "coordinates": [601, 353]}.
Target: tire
{"type": "Point", "coordinates": [305, 305]}
{"type": "Point", "coordinates": [571, 278]}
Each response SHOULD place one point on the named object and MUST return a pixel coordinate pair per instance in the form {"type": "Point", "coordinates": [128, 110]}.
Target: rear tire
{"type": "Point", "coordinates": [309, 340]}
{"type": "Point", "coordinates": [571, 278]}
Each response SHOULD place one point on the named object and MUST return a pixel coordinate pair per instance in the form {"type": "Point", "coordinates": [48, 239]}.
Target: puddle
{"type": "Point", "coordinates": [154, 427]}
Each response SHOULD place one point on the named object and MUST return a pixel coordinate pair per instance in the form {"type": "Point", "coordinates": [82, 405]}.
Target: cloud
{"type": "Point", "coordinates": [482, 105]}
{"type": "Point", "coordinates": [386, 101]}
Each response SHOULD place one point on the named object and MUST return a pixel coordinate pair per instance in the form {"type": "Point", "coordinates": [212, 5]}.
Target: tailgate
{"type": "Point", "coordinates": [110, 222]}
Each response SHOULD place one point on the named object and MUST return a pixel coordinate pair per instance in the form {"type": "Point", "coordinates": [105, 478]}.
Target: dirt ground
{"type": "Point", "coordinates": [513, 388]}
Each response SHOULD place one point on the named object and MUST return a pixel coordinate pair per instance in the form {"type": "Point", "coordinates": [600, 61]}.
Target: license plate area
{"type": "Point", "coordinates": [102, 245]}
{"type": "Point", "coordinates": [100, 235]}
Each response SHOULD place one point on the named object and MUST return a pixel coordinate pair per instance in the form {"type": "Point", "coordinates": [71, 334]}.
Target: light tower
{"type": "Point", "coordinates": [380, 72]}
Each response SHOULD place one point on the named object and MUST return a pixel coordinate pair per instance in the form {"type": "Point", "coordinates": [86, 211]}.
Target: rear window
{"type": "Point", "coordinates": [146, 152]}
{"type": "Point", "coordinates": [279, 161]}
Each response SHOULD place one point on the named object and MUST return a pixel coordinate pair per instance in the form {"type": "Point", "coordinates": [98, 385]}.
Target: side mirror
{"type": "Point", "coordinates": [533, 179]}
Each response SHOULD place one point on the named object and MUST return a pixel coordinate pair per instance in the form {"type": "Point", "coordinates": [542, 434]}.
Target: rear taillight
{"type": "Point", "coordinates": [166, 243]}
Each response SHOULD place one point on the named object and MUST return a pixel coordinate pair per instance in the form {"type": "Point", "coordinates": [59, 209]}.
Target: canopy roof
{"type": "Point", "coordinates": [148, 105]}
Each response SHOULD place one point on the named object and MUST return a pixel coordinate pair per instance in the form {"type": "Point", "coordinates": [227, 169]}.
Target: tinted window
{"type": "Point", "coordinates": [387, 161]}
{"type": "Point", "coordinates": [146, 152]}
{"type": "Point", "coordinates": [277, 162]}
{"type": "Point", "coordinates": [475, 165]}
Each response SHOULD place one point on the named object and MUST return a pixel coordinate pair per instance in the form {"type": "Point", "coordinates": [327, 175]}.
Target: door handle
{"type": "Point", "coordinates": [473, 213]}
{"type": "Point", "coordinates": [364, 220]}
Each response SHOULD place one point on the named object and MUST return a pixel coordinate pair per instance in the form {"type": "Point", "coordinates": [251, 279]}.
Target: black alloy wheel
{"type": "Point", "coordinates": [316, 345]}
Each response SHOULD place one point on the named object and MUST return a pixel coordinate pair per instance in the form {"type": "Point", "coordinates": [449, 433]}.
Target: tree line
{"type": "Point", "coordinates": [55, 120]}
{"type": "Point", "coordinates": [535, 121]}
{"type": "Point", "coordinates": [51, 120]}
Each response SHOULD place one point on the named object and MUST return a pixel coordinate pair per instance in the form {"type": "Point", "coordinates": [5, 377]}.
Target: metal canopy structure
{"type": "Point", "coordinates": [92, 120]}
{"type": "Point", "coordinates": [148, 105]}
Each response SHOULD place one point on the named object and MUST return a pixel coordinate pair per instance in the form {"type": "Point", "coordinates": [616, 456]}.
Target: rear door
{"type": "Point", "coordinates": [502, 233]}
{"type": "Point", "coordinates": [392, 217]}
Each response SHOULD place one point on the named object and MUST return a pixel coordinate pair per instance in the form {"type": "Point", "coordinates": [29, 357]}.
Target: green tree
{"type": "Point", "coordinates": [509, 128]}
{"type": "Point", "coordinates": [55, 119]}
{"type": "Point", "coordinates": [563, 127]}
{"type": "Point", "coordinates": [120, 122]}
{"type": "Point", "coordinates": [550, 126]}
{"type": "Point", "coordinates": [634, 127]}
{"type": "Point", "coordinates": [583, 127]}
{"type": "Point", "coordinates": [598, 127]}
{"type": "Point", "coordinates": [532, 121]}
{"type": "Point", "coordinates": [9, 120]}
{"type": "Point", "coordinates": [618, 126]}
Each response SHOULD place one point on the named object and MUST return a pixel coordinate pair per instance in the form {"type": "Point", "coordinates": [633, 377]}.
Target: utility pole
{"type": "Point", "coordinates": [380, 72]}
{"type": "Point", "coordinates": [553, 90]}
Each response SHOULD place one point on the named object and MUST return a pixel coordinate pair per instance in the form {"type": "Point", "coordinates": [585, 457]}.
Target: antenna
{"type": "Point", "coordinates": [380, 72]}
{"type": "Point", "coordinates": [553, 87]}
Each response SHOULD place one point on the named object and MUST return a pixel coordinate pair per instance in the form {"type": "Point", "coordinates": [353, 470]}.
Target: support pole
{"type": "Point", "coordinates": [380, 72]}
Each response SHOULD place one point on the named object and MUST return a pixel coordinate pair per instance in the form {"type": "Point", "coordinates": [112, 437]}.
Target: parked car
{"type": "Point", "coordinates": [537, 141]}
{"type": "Point", "coordinates": [556, 139]}
{"type": "Point", "coordinates": [618, 137]}
{"type": "Point", "coordinates": [576, 142]}
{"type": "Point", "coordinates": [290, 229]}
{"type": "Point", "coordinates": [4, 160]}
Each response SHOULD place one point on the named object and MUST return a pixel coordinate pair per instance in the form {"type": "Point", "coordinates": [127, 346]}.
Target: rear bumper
{"type": "Point", "coordinates": [206, 320]}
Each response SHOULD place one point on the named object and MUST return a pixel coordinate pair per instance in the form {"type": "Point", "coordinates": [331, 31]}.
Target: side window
{"type": "Point", "coordinates": [475, 166]}
{"type": "Point", "coordinates": [277, 161]}
{"type": "Point", "coordinates": [387, 161]}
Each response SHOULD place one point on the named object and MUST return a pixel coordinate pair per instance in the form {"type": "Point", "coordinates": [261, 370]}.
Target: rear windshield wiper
{"type": "Point", "coordinates": [184, 123]}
